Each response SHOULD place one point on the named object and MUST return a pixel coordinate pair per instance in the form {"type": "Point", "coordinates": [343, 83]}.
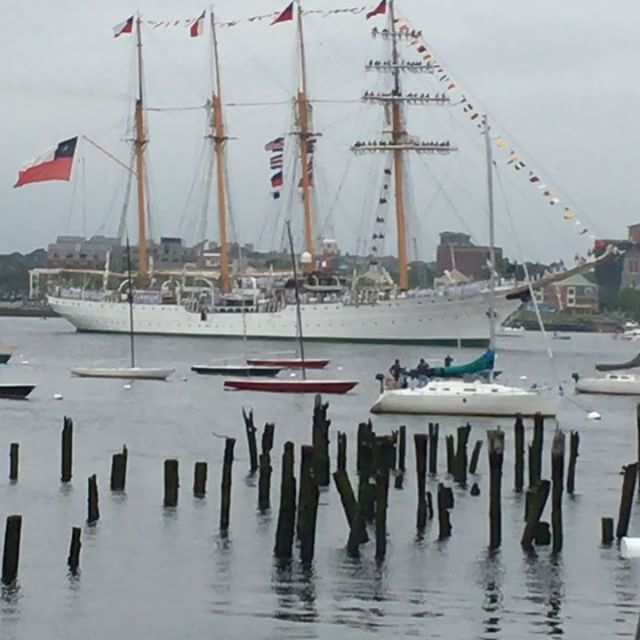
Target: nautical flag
{"type": "Point", "coordinates": [123, 27]}
{"type": "Point", "coordinates": [197, 27]}
{"type": "Point", "coordinates": [275, 145]}
{"type": "Point", "coordinates": [276, 179]}
{"type": "Point", "coordinates": [275, 195]}
{"type": "Point", "coordinates": [380, 9]}
{"type": "Point", "coordinates": [285, 15]}
{"type": "Point", "coordinates": [276, 161]}
{"type": "Point", "coordinates": [54, 164]}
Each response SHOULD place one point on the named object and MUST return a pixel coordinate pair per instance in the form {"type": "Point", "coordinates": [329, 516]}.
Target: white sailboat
{"type": "Point", "coordinates": [459, 397]}
{"type": "Point", "coordinates": [613, 383]}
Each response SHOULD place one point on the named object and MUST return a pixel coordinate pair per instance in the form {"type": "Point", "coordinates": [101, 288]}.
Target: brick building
{"type": "Point", "coordinates": [457, 252]}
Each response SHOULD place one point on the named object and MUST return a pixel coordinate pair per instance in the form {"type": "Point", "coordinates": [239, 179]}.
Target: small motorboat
{"type": "Point", "coordinates": [289, 363]}
{"type": "Point", "coordinates": [126, 373]}
{"type": "Point", "coordinates": [15, 391]}
{"type": "Point", "coordinates": [559, 336]}
{"type": "Point", "coordinates": [292, 386]}
{"type": "Point", "coordinates": [510, 332]}
{"type": "Point", "coordinates": [462, 398]}
{"type": "Point", "coordinates": [236, 370]}
{"type": "Point", "coordinates": [6, 353]}
{"type": "Point", "coordinates": [615, 384]}
{"type": "Point", "coordinates": [633, 335]}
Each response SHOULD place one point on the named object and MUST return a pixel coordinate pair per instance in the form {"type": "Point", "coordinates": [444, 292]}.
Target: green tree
{"type": "Point", "coordinates": [629, 302]}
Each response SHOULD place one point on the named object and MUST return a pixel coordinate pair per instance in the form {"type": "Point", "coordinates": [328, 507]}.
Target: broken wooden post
{"type": "Point", "coordinates": [171, 482]}
{"type": "Point", "coordinates": [382, 494]}
{"type": "Point", "coordinates": [119, 470]}
{"type": "Point", "coordinates": [433, 448]}
{"type": "Point", "coordinates": [445, 502]}
{"type": "Point", "coordinates": [574, 442]}
{"type": "Point", "coordinates": [626, 499]}
{"type": "Point", "coordinates": [475, 456]}
{"type": "Point", "coordinates": [451, 456]}
{"type": "Point", "coordinates": [73, 560]}
{"type": "Point", "coordinates": [14, 449]}
{"type": "Point", "coordinates": [200, 479]}
{"type": "Point", "coordinates": [320, 442]}
{"type": "Point", "coordinates": [460, 460]}
{"type": "Point", "coordinates": [557, 480]}
{"type": "Point", "coordinates": [67, 450]}
{"type": "Point", "coordinates": [518, 429]}
{"type": "Point", "coordinates": [11, 552]}
{"type": "Point", "coordinates": [535, 451]}
{"type": "Point", "coordinates": [287, 512]}
{"type": "Point", "coordinates": [607, 531]}
{"type": "Point", "coordinates": [342, 451]}
{"type": "Point", "coordinates": [306, 463]}
{"type": "Point", "coordinates": [365, 434]}
{"type": "Point", "coordinates": [495, 446]}
{"type": "Point", "coordinates": [539, 496]}
{"type": "Point", "coordinates": [264, 480]}
{"type": "Point", "coordinates": [93, 512]}
{"type": "Point", "coordinates": [308, 508]}
{"type": "Point", "coordinates": [251, 430]}
{"type": "Point", "coordinates": [225, 484]}
{"type": "Point", "coordinates": [402, 453]}
{"type": "Point", "coordinates": [366, 490]}
{"type": "Point", "coordinates": [351, 507]}
{"type": "Point", "coordinates": [420, 442]}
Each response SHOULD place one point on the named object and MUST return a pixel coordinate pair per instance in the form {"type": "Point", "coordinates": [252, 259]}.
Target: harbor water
{"type": "Point", "coordinates": [168, 574]}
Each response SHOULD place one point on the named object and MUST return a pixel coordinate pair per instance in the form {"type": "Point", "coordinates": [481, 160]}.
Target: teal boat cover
{"type": "Point", "coordinates": [484, 363]}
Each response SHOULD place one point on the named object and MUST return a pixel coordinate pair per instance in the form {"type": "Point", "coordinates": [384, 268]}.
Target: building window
{"type": "Point", "coordinates": [571, 296]}
{"type": "Point", "coordinates": [588, 291]}
{"type": "Point", "coordinates": [633, 266]}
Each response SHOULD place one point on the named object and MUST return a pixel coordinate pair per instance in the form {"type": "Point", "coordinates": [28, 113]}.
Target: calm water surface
{"type": "Point", "coordinates": [148, 572]}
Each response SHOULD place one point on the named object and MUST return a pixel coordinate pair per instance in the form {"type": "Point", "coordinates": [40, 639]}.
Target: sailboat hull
{"type": "Point", "coordinates": [5, 354]}
{"type": "Point", "coordinates": [444, 320]}
{"type": "Point", "coordinates": [15, 391]}
{"type": "Point", "coordinates": [126, 373]}
{"type": "Point", "coordinates": [292, 386]}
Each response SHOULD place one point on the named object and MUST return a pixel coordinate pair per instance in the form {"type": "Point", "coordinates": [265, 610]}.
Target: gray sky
{"type": "Point", "coordinates": [559, 77]}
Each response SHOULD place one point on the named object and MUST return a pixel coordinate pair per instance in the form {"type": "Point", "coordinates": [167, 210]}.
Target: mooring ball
{"type": "Point", "coordinates": [126, 386]}
{"type": "Point", "coordinates": [594, 415]}
{"type": "Point", "coordinates": [57, 396]}
{"type": "Point", "coordinates": [184, 378]}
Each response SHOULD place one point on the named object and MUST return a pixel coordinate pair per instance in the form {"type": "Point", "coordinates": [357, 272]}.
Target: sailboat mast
{"type": "Point", "coordinates": [130, 302]}
{"type": "Point", "coordinates": [140, 143]}
{"type": "Point", "coordinates": [219, 140]}
{"type": "Point", "coordinates": [492, 239]}
{"type": "Point", "coordinates": [298, 312]}
{"type": "Point", "coordinates": [397, 136]}
{"type": "Point", "coordinates": [303, 133]}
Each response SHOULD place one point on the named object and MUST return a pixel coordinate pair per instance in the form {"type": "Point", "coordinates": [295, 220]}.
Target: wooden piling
{"type": "Point", "coordinates": [535, 451]}
{"type": "Point", "coordinates": [119, 470]}
{"type": "Point", "coordinates": [402, 453]}
{"type": "Point", "coordinates": [539, 496]}
{"type": "Point", "coordinates": [366, 490]}
{"type": "Point", "coordinates": [475, 456]}
{"type": "Point", "coordinates": [73, 560]}
{"type": "Point", "coordinates": [451, 455]}
{"type": "Point", "coordinates": [67, 450]}
{"type": "Point", "coordinates": [518, 473]}
{"type": "Point", "coordinates": [429, 506]}
{"type": "Point", "coordinates": [251, 430]}
{"type": "Point", "coordinates": [342, 451]}
{"type": "Point", "coordinates": [607, 531]}
{"type": "Point", "coordinates": [171, 482]}
{"type": "Point", "coordinates": [574, 442]}
{"type": "Point", "coordinates": [365, 435]}
{"type": "Point", "coordinates": [433, 448]}
{"type": "Point", "coordinates": [495, 446]}
{"type": "Point", "coordinates": [460, 461]}
{"type": "Point", "coordinates": [11, 552]}
{"type": "Point", "coordinates": [287, 511]}
{"type": "Point", "coordinates": [382, 494]}
{"type": "Point", "coordinates": [306, 465]}
{"type": "Point", "coordinates": [626, 499]}
{"type": "Point", "coordinates": [200, 479]}
{"type": "Point", "coordinates": [93, 512]}
{"type": "Point", "coordinates": [264, 479]}
{"type": "Point", "coordinates": [308, 508]}
{"type": "Point", "coordinates": [557, 484]}
{"type": "Point", "coordinates": [445, 502]}
{"type": "Point", "coordinates": [351, 507]}
{"type": "Point", "coordinates": [320, 441]}
{"type": "Point", "coordinates": [14, 449]}
{"type": "Point", "coordinates": [420, 442]}
{"type": "Point", "coordinates": [225, 484]}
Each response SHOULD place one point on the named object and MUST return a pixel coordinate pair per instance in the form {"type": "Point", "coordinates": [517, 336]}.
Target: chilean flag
{"type": "Point", "coordinates": [285, 15]}
{"type": "Point", "coordinates": [123, 27]}
{"type": "Point", "coordinates": [197, 27]}
{"type": "Point", "coordinates": [54, 164]}
{"type": "Point", "coordinates": [380, 9]}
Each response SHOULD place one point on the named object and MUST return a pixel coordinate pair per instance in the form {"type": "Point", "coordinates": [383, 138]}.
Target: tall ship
{"type": "Point", "coordinates": [371, 307]}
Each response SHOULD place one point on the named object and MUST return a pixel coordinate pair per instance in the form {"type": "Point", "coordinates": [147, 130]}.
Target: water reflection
{"type": "Point", "coordinates": [544, 578]}
{"type": "Point", "coordinates": [491, 572]}
{"type": "Point", "coordinates": [295, 587]}
{"type": "Point", "coordinates": [626, 587]}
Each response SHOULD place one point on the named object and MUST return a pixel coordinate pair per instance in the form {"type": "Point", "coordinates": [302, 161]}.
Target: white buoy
{"type": "Point", "coordinates": [127, 386]}
{"type": "Point", "coordinates": [57, 396]}
{"type": "Point", "coordinates": [339, 368]}
{"type": "Point", "coordinates": [25, 362]}
{"type": "Point", "coordinates": [523, 377]}
{"type": "Point", "coordinates": [630, 547]}
{"type": "Point", "coordinates": [184, 378]}
{"type": "Point", "coordinates": [594, 415]}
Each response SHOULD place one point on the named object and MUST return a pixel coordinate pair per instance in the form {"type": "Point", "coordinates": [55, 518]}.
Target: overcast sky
{"type": "Point", "coordinates": [560, 77]}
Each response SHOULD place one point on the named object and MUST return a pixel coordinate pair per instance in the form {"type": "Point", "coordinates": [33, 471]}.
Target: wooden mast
{"type": "Point", "coordinates": [140, 143]}
{"type": "Point", "coordinates": [219, 139]}
{"type": "Point", "coordinates": [397, 137]}
{"type": "Point", "coordinates": [304, 134]}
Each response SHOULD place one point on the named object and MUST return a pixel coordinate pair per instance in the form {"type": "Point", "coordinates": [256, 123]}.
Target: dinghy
{"type": "Point", "coordinates": [15, 391]}
{"type": "Point", "coordinates": [6, 353]}
{"type": "Point", "coordinates": [615, 384]}
{"type": "Point", "coordinates": [236, 370]}
{"type": "Point", "coordinates": [126, 373]}
{"type": "Point", "coordinates": [292, 386]}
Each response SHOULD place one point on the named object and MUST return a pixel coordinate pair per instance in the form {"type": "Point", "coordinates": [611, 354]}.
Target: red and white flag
{"type": "Point", "coordinates": [379, 10]}
{"type": "Point", "coordinates": [285, 15]}
{"type": "Point", "coordinates": [197, 27]}
{"type": "Point", "coordinates": [123, 27]}
{"type": "Point", "coordinates": [54, 164]}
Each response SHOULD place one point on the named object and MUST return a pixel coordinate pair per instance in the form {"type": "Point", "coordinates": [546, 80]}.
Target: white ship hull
{"type": "Point", "coordinates": [420, 320]}
{"type": "Point", "coordinates": [612, 384]}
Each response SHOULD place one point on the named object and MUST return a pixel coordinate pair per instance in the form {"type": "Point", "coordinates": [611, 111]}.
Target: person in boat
{"type": "Point", "coordinates": [422, 368]}
{"type": "Point", "coordinates": [396, 370]}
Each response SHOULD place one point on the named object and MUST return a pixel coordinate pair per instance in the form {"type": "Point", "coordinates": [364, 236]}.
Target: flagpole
{"type": "Point", "coordinates": [219, 139]}
{"type": "Point", "coordinates": [140, 143]}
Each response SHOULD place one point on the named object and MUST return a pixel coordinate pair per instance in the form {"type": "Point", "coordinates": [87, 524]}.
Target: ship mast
{"type": "Point", "coordinates": [492, 234]}
{"type": "Point", "coordinates": [304, 135]}
{"type": "Point", "coordinates": [140, 143]}
{"type": "Point", "coordinates": [399, 141]}
{"type": "Point", "coordinates": [219, 138]}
